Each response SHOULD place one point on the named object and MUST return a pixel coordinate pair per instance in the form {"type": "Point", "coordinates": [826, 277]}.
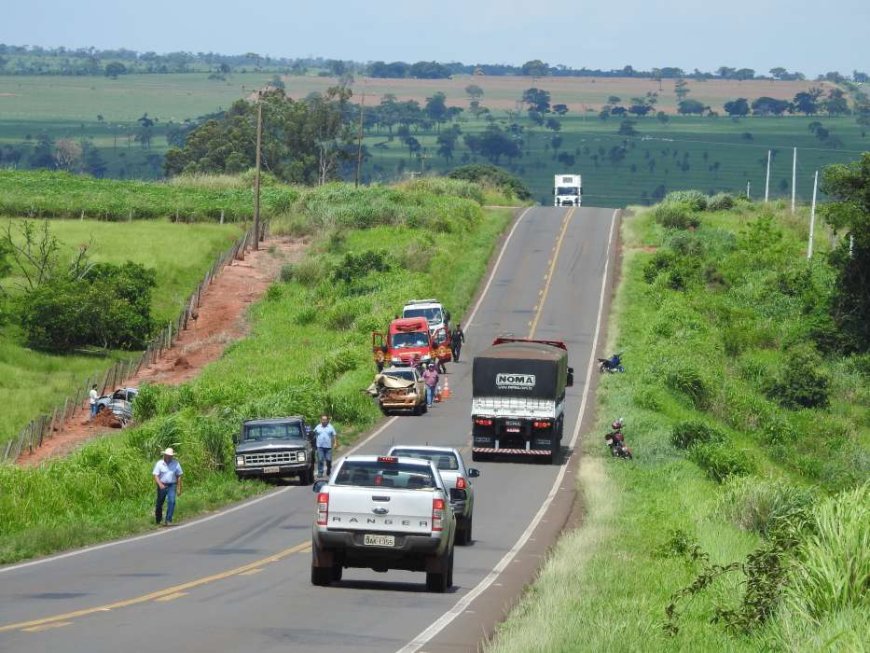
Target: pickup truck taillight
{"type": "Point", "coordinates": [460, 483]}
{"type": "Point", "coordinates": [483, 421]}
{"type": "Point", "coordinates": [322, 508]}
{"type": "Point", "coordinates": [437, 514]}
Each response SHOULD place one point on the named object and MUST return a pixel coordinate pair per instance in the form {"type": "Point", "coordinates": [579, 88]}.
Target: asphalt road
{"type": "Point", "coordinates": [240, 580]}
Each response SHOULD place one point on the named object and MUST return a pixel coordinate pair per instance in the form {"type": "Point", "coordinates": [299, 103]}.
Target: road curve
{"type": "Point", "coordinates": [240, 579]}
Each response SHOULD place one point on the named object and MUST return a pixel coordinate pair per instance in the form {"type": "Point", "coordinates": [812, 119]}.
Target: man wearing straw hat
{"type": "Point", "coordinates": [167, 475]}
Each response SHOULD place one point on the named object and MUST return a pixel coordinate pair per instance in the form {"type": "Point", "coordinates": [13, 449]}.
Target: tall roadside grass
{"type": "Point", "coordinates": [64, 195]}
{"type": "Point", "coordinates": [309, 351]}
{"type": "Point", "coordinates": [742, 522]}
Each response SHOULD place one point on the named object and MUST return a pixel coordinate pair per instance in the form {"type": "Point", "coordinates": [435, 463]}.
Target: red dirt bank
{"type": "Point", "coordinates": [222, 320]}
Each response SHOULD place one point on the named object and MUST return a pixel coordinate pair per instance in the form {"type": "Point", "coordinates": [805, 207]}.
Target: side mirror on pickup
{"type": "Point", "coordinates": [316, 487]}
{"type": "Point", "coordinates": [472, 472]}
{"type": "Point", "coordinates": [570, 380]}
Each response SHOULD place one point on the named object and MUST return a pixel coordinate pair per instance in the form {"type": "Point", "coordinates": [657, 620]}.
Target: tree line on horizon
{"type": "Point", "coordinates": [37, 60]}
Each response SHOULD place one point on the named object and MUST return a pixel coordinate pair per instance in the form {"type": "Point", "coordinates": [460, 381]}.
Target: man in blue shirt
{"type": "Point", "coordinates": [167, 475]}
{"type": "Point", "coordinates": [324, 440]}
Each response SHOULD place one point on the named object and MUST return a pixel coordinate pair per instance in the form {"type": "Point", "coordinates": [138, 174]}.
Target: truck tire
{"type": "Point", "coordinates": [307, 477]}
{"type": "Point", "coordinates": [336, 573]}
{"type": "Point", "coordinates": [322, 576]}
{"type": "Point", "coordinates": [437, 581]}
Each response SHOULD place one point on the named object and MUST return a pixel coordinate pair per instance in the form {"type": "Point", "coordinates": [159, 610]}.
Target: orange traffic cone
{"type": "Point", "coordinates": [445, 393]}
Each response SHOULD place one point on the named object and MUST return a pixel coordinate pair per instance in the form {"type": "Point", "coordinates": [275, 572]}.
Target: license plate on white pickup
{"type": "Point", "coordinates": [271, 470]}
{"type": "Point", "coordinates": [370, 539]}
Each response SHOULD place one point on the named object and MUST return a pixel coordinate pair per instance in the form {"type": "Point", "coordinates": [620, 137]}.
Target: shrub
{"type": "Point", "coordinates": [356, 266]}
{"type": "Point", "coordinates": [687, 434]}
{"type": "Point", "coordinates": [721, 461]}
{"type": "Point", "coordinates": [675, 215]}
{"type": "Point", "coordinates": [309, 272]}
{"type": "Point", "coordinates": [688, 381]}
{"type": "Point", "coordinates": [720, 202]}
{"type": "Point", "coordinates": [492, 176]}
{"type": "Point", "coordinates": [802, 383]}
{"type": "Point", "coordinates": [109, 306]}
{"type": "Point", "coordinates": [694, 199]}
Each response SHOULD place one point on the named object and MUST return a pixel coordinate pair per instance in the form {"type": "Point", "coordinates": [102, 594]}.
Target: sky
{"type": "Point", "coordinates": [803, 36]}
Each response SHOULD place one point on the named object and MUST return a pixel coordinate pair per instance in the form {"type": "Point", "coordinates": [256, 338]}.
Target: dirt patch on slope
{"type": "Point", "coordinates": [221, 319]}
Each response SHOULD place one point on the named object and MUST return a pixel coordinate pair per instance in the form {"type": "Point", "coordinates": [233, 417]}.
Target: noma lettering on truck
{"type": "Point", "coordinates": [514, 381]}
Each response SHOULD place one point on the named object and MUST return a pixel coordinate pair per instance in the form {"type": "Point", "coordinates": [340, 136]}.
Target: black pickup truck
{"type": "Point", "coordinates": [275, 448]}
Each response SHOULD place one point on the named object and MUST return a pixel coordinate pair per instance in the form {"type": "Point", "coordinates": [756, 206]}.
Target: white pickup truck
{"type": "Point", "coordinates": [381, 513]}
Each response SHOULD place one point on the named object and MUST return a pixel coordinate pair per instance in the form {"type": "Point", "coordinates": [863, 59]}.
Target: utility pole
{"type": "Point", "coordinates": [257, 176]}
{"type": "Point", "coordinates": [813, 216]}
{"type": "Point", "coordinates": [767, 180]}
{"type": "Point", "coordinates": [359, 140]}
{"type": "Point", "coordinates": [793, 179]}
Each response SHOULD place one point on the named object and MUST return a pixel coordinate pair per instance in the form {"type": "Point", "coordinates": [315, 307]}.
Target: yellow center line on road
{"type": "Point", "coordinates": [549, 276]}
{"type": "Point", "coordinates": [39, 629]}
{"type": "Point", "coordinates": [163, 594]}
{"type": "Point", "coordinates": [172, 597]}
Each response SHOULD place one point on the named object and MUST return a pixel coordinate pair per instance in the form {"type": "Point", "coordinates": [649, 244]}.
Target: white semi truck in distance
{"type": "Point", "coordinates": [567, 190]}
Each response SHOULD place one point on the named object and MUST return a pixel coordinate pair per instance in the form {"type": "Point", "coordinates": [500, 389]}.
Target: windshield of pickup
{"type": "Point", "coordinates": [442, 459]}
{"type": "Point", "coordinates": [377, 474]}
{"type": "Point", "coordinates": [432, 315]}
{"type": "Point", "coordinates": [261, 432]}
{"type": "Point", "coordinates": [415, 339]}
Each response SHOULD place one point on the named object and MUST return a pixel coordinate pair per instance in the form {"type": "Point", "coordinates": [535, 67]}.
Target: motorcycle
{"type": "Point", "coordinates": [616, 441]}
{"type": "Point", "coordinates": [612, 364]}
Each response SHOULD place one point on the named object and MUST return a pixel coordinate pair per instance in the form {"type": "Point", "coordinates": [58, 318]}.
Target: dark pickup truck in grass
{"type": "Point", "coordinates": [275, 448]}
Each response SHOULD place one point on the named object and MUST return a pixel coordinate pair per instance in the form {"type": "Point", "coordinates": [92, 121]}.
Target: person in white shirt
{"type": "Point", "coordinates": [167, 475]}
{"type": "Point", "coordinates": [93, 395]}
{"type": "Point", "coordinates": [324, 440]}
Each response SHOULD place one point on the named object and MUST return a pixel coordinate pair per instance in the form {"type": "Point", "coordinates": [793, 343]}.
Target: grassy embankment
{"type": "Point", "coordinates": [308, 352]}
{"type": "Point", "coordinates": [33, 382]}
{"type": "Point", "coordinates": [711, 153]}
{"type": "Point", "coordinates": [716, 341]}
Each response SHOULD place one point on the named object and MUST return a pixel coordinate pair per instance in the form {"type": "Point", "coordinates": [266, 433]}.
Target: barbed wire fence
{"type": "Point", "coordinates": [43, 427]}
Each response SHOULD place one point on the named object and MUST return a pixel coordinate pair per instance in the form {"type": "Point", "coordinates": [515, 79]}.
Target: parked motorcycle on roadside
{"type": "Point", "coordinates": [616, 441]}
{"type": "Point", "coordinates": [612, 364]}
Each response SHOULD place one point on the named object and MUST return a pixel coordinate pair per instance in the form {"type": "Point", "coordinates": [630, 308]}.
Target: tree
{"type": "Point", "coordinates": [778, 72]}
{"type": "Point", "coordinates": [836, 103]}
{"type": "Point", "coordinates": [691, 107]}
{"type": "Point", "coordinates": [145, 131]}
{"type": "Point", "coordinates": [68, 154]}
{"type": "Point", "coordinates": [849, 214]}
{"type": "Point", "coordinates": [303, 141]}
{"type": "Point", "coordinates": [560, 109]}
{"type": "Point", "coordinates": [537, 100]}
{"type": "Point", "coordinates": [768, 106]}
{"type": "Point", "coordinates": [736, 108]}
{"type": "Point", "coordinates": [474, 91]}
{"type": "Point", "coordinates": [495, 143]}
{"type": "Point", "coordinates": [447, 142]}
{"type": "Point", "coordinates": [535, 68]}
{"type": "Point", "coordinates": [681, 88]}
{"type": "Point", "coordinates": [807, 101]}
{"type": "Point", "coordinates": [114, 69]}
{"type": "Point", "coordinates": [626, 127]}
{"type": "Point", "coordinates": [43, 152]}
{"type": "Point", "coordinates": [436, 108]}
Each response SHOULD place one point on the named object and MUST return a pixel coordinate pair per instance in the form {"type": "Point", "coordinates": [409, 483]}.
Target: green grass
{"type": "Point", "coordinates": [309, 351]}
{"type": "Point", "coordinates": [31, 382]}
{"type": "Point", "coordinates": [187, 199]}
{"type": "Point", "coordinates": [607, 584]}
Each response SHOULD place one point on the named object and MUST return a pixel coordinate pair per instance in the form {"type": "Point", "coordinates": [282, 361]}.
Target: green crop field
{"type": "Point", "coordinates": [709, 153]}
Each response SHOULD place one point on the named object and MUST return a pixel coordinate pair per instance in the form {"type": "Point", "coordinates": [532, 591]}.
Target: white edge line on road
{"type": "Point", "coordinates": [423, 638]}
{"type": "Point", "coordinates": [179, 527]}
{"type": "Point", "coordinates": [100, 547]}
